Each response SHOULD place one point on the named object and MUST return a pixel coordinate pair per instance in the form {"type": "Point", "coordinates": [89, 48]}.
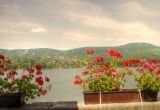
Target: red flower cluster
{"type": "Point", "coordinates": [85, 73]}
{"type": "Point", "coordinates": [152, 66]}
{"type": "Point", "coordinates": [154, 61]}
{"type": "Point", "coordinates": [78, 80]}
{"type": "Point", "coordinates": [114, 53]}
{"type": "Point", "coordinates": [2, 57]}
{"type": "Point", "coordinates": [99, 72]}
{"type": "Point", "coordinates": [3, 69]}
{"type": "Point", "coordinates": [11, 76]}
{"type": "Point", "coordinates": [39, 80]}
{"type": "Point", "coordinates": [112, 71]}
{"type": "Point", "coordinates": [30, 70]}
{"type": "Point", "coordinates": [130, 62]}
{"type": "Point", "coordinates": [100, 59]}
{"type": "Point", "coordinates": [47, 79]}
{"type": "Point", "coordinates": [90, 52]}
{"type": "Point", "coordinates": [43, 91]}
{"type": "Point", "coordinates": [24, 77]}
{"type": "Point", "coordinates": [39, 69]}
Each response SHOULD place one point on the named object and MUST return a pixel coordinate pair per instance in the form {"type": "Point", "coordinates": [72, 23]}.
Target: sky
{"type": "Point", "coordinates": [68, 24]}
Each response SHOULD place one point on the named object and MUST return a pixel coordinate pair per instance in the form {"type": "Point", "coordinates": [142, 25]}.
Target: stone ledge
{"type": "Point", "coordinates": [73, 105]}
{"type": "Point", "coordinates": [68, 105]}
{"type": "Point", "coordinates": [122, 106]}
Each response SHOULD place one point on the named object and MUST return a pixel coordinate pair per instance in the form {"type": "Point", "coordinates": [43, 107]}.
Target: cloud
{"type": "Point", "coordinates": [77, 23]}
{"type": "Point", "coordinates": [117, 32]}
{"type": "Point", "coordinates": [108, 23]}
{"type": "Point", "coordinates": [80, 36]}
{"type": "Point", "coordinates": [39, 30]}
{"type": "Point", "coordinates": [86, 39]}
{"type": "Point", "coordinates": [134, 8]}
{"type": "Point", "coordinates": [8, 8]}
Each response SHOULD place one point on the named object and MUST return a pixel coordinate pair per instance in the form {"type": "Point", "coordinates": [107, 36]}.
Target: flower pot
{"type": "Point", "coordinates": [111, 97]}
{"type": "Point", "coordinates": [149, 95]}
{"type": "Point", "coordinates": [12, 100]}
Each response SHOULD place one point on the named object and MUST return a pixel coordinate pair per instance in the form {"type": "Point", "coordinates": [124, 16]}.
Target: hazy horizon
{"type": "Point", "coordinates": [68, 24]}
{"type": "Point", "coordinates": [80, 47]}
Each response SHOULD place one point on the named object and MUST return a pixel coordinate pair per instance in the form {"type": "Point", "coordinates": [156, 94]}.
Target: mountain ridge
{"type": "Point", "coordinates": [50, 58]}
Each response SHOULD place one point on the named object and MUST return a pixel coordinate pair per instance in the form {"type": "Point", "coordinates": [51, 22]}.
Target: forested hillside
{"type": "Point", "coordinates": [51, 58]}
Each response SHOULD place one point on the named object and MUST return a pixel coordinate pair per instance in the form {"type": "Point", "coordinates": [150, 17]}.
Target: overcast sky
{"type": "Point", "coordinates": [67, 24]}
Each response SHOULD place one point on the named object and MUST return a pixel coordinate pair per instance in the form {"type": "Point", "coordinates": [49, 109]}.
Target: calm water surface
{"type": "Point", "coordinates": [63, 88]}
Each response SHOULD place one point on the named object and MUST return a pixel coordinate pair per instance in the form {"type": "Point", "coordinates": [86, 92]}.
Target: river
{"type": "Point", "coordinates": [63, 88]}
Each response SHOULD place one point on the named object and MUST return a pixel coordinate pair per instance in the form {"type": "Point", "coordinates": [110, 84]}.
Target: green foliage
{"type": "Point", "coordinates": [30, 84]}
{"type": "Point", "coordinates": [148, 82]}
{"type": "Point", "coordinates": [106, 83]}
{"type": "Point", "coordinates": [31, 90]}
{"type": "Point", "coordinates": [100, 75]}
{"type": "Point", "coordinates": [5, 85]}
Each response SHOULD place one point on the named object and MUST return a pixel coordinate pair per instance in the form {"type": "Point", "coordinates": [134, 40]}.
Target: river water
{"type": "Point", "coordinates": [63, 88]}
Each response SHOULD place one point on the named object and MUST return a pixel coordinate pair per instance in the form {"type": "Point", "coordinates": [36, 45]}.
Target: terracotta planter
{"type": "Point", "coordinates": [149, 95]}
{"type": "Point", "coordinates": [12, 100]}
{"type": "Point", "coordinates": [111, 97]}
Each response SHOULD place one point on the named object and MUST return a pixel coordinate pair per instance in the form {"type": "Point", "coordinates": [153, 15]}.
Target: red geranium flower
{"type": "Point", "coordinates": [90, 52]}
{"type": "Point", "coordinates": [12, 74]}
{"type": "Point", "coordinates": [100, 59]}
{"type": "Point", "coordinates": [85, 73]}
{"type": "Point", "coordinates": [38, 67]}
{"type": "Point", "coordinates": [78, 80]}
{"type": "Point", "coordinates": [24, 77]}
{"type": "Point", "coordinates": [47, 79]}
{"type": "Point", "coordinates": [1, 72]}
{"type": "Point", "coordinates": [31, 70]}
{"type": "Point", "coordinates": [130, 62]}
{"type": "Point", "coordinates": [2, 57]}
{"type": "Point", "coordinates": [112, 71]}
{"type": "Point", "coordinates": [114, 53]}
{"type": "Point", "coordinates": [1, 66]}
{"type": "Point", "coordinates": [39, 80]}
{"type": "Point", "coordinates": [99, 74]}
{"type": "Point", "coordinates": [154, 61]}
{"type": "Point", "coordinates": [105, 66]}
{"type": "Point", "coordinates": [39, 72]}
{"type": "Point", "coordinates": [43, 91]}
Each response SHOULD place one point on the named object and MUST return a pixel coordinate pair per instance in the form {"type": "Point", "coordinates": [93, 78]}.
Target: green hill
{"type": "Point", "coordinates": [51, 58]}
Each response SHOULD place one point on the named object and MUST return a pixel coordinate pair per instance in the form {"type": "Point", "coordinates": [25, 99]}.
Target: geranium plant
{"type": "Point", "coordinates": [101, 75]}
{"type": "Point", "coordinates": [147, 74]}
{"type": "Point", "coordinates": [31, 82]}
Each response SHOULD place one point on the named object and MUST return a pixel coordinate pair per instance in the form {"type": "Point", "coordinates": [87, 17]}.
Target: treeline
{"type": "Point", "coordinates": [46, 62]}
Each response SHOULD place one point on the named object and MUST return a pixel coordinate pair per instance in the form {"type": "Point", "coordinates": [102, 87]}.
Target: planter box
{"type": "Point", "coordinates": [111, 97]}
{"type": "Point", "coordinates": [149, 96]}
{"type": "Point", "coordinates": [12, 100]}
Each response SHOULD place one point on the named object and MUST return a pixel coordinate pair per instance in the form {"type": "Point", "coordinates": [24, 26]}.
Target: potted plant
{"type": "Point", "coordinates": [103, 82]}
{"type": "Point", "coordinates": [16, 87]}
{"type": "Point", "coordinates": [147, 76]}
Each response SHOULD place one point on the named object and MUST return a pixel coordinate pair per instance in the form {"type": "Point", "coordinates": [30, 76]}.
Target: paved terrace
{"type": "Point", "coordinates": [76, 106]}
